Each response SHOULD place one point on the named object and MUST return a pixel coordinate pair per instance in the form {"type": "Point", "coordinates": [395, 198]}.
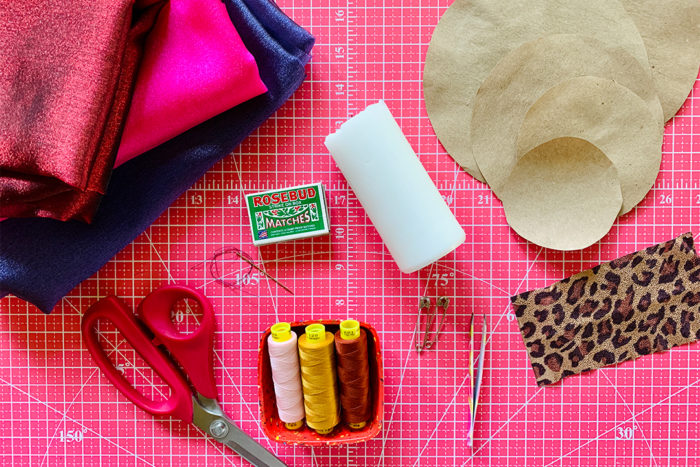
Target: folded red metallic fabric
{"type": "Point", "coordinates": [642, 303]}
{"type": "Point", "coordinates": [66, 79]}
{"type": "Point", "coordinates": [41, 260]}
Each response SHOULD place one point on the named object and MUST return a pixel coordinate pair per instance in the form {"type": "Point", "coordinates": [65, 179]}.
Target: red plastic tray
{"type": "Point", "coordinates": [274, 428]}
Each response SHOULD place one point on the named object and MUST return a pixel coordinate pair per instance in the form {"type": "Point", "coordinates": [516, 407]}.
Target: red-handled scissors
{"type": "Point", "coordinates": [194, 352]}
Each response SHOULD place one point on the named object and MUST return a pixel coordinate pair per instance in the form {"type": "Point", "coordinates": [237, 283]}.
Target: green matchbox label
{"type": "Point", "coordinates": [288, 214]}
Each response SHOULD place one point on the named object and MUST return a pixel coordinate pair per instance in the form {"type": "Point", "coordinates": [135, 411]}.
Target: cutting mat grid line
{"type": "Point", "coordinates": [641, 413]}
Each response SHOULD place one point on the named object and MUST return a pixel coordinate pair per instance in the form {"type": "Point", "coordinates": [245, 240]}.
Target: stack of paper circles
{"type": "Point", "coordinates": [560, 106]}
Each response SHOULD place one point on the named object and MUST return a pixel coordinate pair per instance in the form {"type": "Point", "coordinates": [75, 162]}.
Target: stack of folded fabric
{"type": "Point", "coordinates": [43, 259]}
{"type": "Point", "coordinates": [65, 87]}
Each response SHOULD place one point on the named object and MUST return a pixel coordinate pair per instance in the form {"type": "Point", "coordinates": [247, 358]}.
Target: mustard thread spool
{"type": "Point", "coordinates": [318, 376]}
{"type": "Point", "coordinates": [315, 333]}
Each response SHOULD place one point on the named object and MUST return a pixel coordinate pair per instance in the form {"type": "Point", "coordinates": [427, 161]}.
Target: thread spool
{"type": "Point", "coordinates": [353, 374]}
{"type": "Point", "coordinates": [318, 378]}
{"type": "Point", "coordinates": [286, 375]}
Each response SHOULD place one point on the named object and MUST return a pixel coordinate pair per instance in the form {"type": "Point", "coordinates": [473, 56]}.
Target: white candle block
{"type": "Point", "coordinates": [392, 185]}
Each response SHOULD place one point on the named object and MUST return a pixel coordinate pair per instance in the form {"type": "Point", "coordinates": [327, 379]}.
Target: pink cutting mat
{"type": "Point", "coordinates": [59, 410]}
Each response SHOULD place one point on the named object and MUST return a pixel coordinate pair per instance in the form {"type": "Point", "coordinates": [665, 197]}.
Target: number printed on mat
{"type": "Point", "coordinates": [248, 279]}
{"type": "Point", "coordinates": [442, 279]}
{"type": "Point", "coordinates": [72, 436]}
{"type": "Point", "coordinates": [196, 199]}
{"type": "Point", "coordinates": [625, 432]}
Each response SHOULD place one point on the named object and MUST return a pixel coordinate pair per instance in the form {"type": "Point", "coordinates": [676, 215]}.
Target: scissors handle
{"type": "Point", "coordinates": [112, 309]}
{"type": "Point", "coordinates": [194, 352]}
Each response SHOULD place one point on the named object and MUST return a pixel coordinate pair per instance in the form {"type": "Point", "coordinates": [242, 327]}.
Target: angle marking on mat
{"type": "Point", "coordinates": [314, 461]}
{"type": "Point", "coordinates": [65, 414]}
{"type": "Point", "coordinates": [636, 422]}
{"type": "Point", "coordinates": [437, 425]}
{"type": "Point", "coordinates": [269, 289]}
{"type": "Point", "coordinates": [81, 424]}
{"type": "Point", "coordinates": [160, 258]}
{"type": "Point", "coordinates": [219, 447]}
{"type": "Point", "coordinates": [223, 276]}
{"type": "Point", "coordinates": [394, 404]}
{"type": "Point", "coordinates": [517, 289]}
{"type": "Point", "coordinates": [471, 276]}
{"type": "Point", "coordinates": [451, 197]}
{"type": "Point", "coordinates": [284, 258]}
{"type": "Point", "coordinates": [114, 345]}
{"type": "Point", "coordinates": [114, 349]}
{"type": "Point", "coordinates": [652, 406]}
{"type": "Point", "coordinates": [65, 300]}
{"type": "Point", "coordinates": [493, 435]}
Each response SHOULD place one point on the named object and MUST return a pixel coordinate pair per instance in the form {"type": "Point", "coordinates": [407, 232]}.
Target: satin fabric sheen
{"type": "Point", "coordinates": [41, 260]}
{"type": "Point", "coordinates": [194, 67]}
{"type": "Point", "coordinates": [66, 77]}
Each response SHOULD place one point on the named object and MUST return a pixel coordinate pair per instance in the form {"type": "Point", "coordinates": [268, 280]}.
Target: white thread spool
{"type": "Point", "coordinates": [284, 361]}
{"type": "Point", "coordinates": [392, 185]}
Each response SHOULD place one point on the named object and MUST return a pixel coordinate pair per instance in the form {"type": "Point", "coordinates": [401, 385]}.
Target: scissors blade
{"type": "Point", "coordinates": [209, 417]}
{"type": "Point", "coordinates": [250, 449]}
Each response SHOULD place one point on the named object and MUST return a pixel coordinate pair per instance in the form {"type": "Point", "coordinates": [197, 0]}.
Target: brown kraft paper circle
{"type": "Point", "coordinates": [473, 35]}
{"type": "Point", "coordinates": [610, 116]}
{"type": "Point", "coordinates": [525, 74]}
{"type": "Point", "coordinates": [671, 33]}
{"type": "Point", "coordinates": [563, 195]}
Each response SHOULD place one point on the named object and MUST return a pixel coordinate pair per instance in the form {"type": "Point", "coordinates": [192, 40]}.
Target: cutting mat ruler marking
{"type": "Point", "coordinates": [342, 199]}
{"type": "Point", "coordinates": [61, 412]}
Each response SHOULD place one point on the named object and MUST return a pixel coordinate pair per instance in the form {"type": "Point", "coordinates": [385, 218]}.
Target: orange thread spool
{"type": "Point", "coordinates": [353, 374]}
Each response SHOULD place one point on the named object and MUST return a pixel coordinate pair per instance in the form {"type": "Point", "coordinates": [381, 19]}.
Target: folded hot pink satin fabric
{"type": "Point", "coordinates": [195, 67]}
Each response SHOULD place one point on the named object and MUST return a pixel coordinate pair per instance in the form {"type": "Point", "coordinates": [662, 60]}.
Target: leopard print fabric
{"type": "Point", "coordinates": [636, 305]}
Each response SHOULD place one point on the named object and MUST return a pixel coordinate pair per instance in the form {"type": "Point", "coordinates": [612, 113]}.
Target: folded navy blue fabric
{"type": "Point", "coordinates": [281, 27]}
{"type": "Point", "coordinates": [41, 260]}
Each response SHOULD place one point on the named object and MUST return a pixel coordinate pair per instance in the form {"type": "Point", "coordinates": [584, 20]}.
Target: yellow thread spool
{"type": "Point", "coordinates": [349, 330]}
{"type": "Point", "coordinates": [282, 332]}
{"type": "Point", "coordinates": [318, 378]}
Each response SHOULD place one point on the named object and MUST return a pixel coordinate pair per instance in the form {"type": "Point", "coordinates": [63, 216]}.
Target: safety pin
{"type": "Point", "coordinates": [423, 304]}
{"type": "Point", "coordinates": [442, 302]}
{"type": "Point", "coordinates": [425, 308]}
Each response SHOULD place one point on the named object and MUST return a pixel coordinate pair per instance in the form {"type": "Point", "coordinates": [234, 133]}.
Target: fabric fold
{"type": "Point", "coordinates": [195, 66]}
{"type": "Point", "coordinates": [41, 260]}
{"type": "Point", "coordinates": [69, 82]}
